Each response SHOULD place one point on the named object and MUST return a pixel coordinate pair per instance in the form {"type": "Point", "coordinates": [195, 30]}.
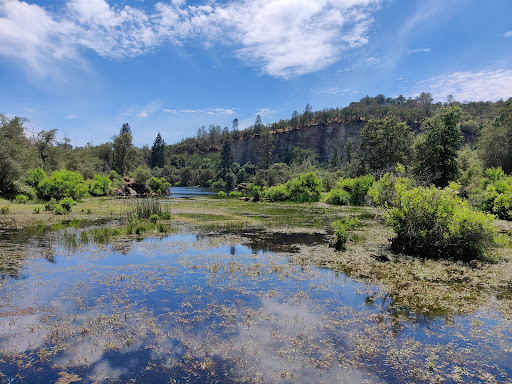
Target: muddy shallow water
{"type": "Point", "coordinates": [223, 308]}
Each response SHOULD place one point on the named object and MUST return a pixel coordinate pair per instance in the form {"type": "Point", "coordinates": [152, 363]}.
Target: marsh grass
{"type": "Point", "coordinates": [144, 208]}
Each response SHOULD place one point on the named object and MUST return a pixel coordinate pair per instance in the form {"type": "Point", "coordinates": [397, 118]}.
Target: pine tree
{"type": "Point", "coordinates": [157, 152]}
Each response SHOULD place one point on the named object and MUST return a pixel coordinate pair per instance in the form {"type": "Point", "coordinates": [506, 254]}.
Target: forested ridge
{"type": "Point", "coordinates": [207, 159]}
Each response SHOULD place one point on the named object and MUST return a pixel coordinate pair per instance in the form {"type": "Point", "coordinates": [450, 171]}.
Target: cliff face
{"type": "Point", "coordinates": [321, 138]}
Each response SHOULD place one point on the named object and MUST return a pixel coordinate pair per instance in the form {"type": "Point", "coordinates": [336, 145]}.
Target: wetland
{"type": "Point", "coordinates": [229, 291]}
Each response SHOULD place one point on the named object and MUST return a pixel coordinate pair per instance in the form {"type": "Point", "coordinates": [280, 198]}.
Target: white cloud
{"type": "Point", "coordinates": [508, 34]}
{"type": "Point", "coordinates": [471, 86]}
{"type": "Point", "coordinates": [283, 37]}
{"type": "Point", "coordinates": [142, 115]}
{"type": "Point", "coordinates": [334, 91]}
{"type": "Point", "coordinates": [419, 50]}
{"type": "Point", "coordinates": [72, 117]}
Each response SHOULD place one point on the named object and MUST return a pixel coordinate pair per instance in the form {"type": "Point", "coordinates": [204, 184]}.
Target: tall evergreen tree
{"type": "Point", "coordinates": [258, 125]}
{"type": "Point", "coordinates": [227, 155]}
{"type": "Point", "coordinates": [125, 129]}
{"type": "Point", "coordinates": [157, 152]}
{"type": "Point", "coordinates": [124, 152]}
{"type": "Point", "coordinates": [266, 148]}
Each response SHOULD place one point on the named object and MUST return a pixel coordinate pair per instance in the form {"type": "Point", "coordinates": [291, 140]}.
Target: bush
{"type": "Point", "coordinates": [256, 193]}
{"type": "Point", "coordinates": [341, 229]}
{"type": "Point", "coordinates": [35, 176]}
{"type": "Point", "coordinates": [338, 197]}
{"type": "Point", "coordinates": [221, 195]}
{"type": "Point", "coordinates": [21, 199]}
{"type": "Point", "coordinates": [357, 188]}
{"type": "Point", "coordinates": [4, 210]}
{"type": "Point", "coordinates": [100, 185]}
{"type": "Point", "coordinates": [277, 193]}
{"type": "Point", "coordinates": [434, 223]}
{"type": "Point", "coordinates": [63, 184]}
{"type": "Point", "coordinates": [386, 191]}
{"type": "Point", "coordinates": [50, 205]}
{"type": "Point", "coordinates": [494, 194]}
{"type": "Point", "coordinates": [141, 175]}
{"type": "Point", "coordinates": [37, 210]}
{"type": "Point", "coordinates": [59, 210]}
{"type": "Point", "coordinates": [305, 188]}
{"type": "Point", "coordinates": [67, 203]}
{"type": "Point", "coordinates": [159, 185]}
{"type": "Point", "coordinates": [154, 218]}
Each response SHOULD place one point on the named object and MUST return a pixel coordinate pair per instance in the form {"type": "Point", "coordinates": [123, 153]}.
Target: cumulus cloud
{"type": "Point", "coordinates": [508, 34]}
{"type": "Point", "coordinates": [472, 86]}
{"type": "Point", "coordinates": [282, 37]}
{"type": "Point", "coordinates": [142, 115]}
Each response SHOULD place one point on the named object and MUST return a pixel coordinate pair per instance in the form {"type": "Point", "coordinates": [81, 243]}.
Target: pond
{"type": "Point", "coordinates": [222, 308]}
{"type": "Point", "coordinates": [191, 192]}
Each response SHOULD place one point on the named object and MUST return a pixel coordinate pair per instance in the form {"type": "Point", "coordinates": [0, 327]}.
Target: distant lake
{"type": "Point", "coordinates": [189, 192]}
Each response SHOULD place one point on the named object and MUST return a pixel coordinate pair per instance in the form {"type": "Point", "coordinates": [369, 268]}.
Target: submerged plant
{"type": "Point", "coordinates": [341, 229]}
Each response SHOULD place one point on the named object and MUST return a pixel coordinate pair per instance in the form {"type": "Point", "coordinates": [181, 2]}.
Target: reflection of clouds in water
{"type": "Point", "coordinates": [283, 346]}
{"type": "Point", "coordinates": [104, 370]}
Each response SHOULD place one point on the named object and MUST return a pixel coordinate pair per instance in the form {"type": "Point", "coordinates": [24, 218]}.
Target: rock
{"type": "Point", "coordinates": [381, 258]}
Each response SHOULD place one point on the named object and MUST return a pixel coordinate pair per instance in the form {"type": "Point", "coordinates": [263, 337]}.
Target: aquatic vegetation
{"type": "Point", "coordinates": [146, 207]}
{"type": "Point", "coordinates": [341, 229]}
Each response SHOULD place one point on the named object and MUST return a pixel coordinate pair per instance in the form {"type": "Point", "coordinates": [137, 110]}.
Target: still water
{"type": "Point", "coordinates": [191, 192]}
{"type": "Point", "coordinates": [227, 308]}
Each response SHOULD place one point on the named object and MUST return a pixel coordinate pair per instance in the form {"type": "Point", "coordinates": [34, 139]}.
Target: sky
{"type": "Point", "coordinates": [85, 67]}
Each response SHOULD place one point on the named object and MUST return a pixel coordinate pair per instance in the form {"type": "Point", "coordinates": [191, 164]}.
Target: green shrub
{"type": "Point", "coordinates": [67, 203]}
{"type": "Point", "coordinates": [159, 185]}
{"type": "Point", "coordinates": [154, 218]}
{"type": "Point", "coordinates": [386, 191]}
{"type": "Point", "coordinates": [434, 223]}
{"type": "Point", "coordinates": [235, 194]}
{"type": "Point", "coordinates": [166, 216]}
{"type": "Point", "coordinates": [341, 229]}
{"type": "Point", "coordinates": [357, 188]}
{"type": "Point", "coordinates": [277, 193]}
{"type": "Point", "coordinates": [21, 199]}
{"type": "Point", "coordinates": [63, 184]}
{"type": "Point", "coordinates": [305, 188]}
{"type": "Point", "coordinates": [141, 175]}
{"type": "Point", "coordinates": [4, 210]}
{"type": "Point", "coordinates": [494, 194]}
{"type": "Point", "coordinates": [37, 210]}
{"type": "Point", "coordinates": [35, 176]}
{"type": "Point", "coordinates": [50, 205]}
{"type": "Point", "coordinates": [222, 195]}
{"type": "Point", "coordinates": [100, 185]}
{"type": "Point", "coordinates": [257, 193]}
{"type": "Point", "coordinates": [59, 210]}
{"type": "Point", "coordinates": [338, 197]}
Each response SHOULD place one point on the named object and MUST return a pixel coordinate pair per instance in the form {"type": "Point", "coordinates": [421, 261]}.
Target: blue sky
{"type": "Point", "coordinates": [85, 67]}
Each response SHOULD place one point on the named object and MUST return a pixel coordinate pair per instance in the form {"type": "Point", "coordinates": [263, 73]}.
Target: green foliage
{"type": "Point", "coordinates": [67, 203]}
{"type": "Point", "coordinates": [4, 210]}
{"type": "Point", "coordinates": [357, 188]}
{"type": "Point", "coordinates": [494, 195]}
{"type": "Point", "coordinates": [385, 142]}
{"type": "Point", "coordinates": [145, 208]}
{"type": "Point", "coordinates": [341, 229]}
{"type": "Point", "coordinates": [21, 199]}
{"type": "Point", "coordinates": [436, 148]}
{"type": "Point", "coordinates": [50, 205]}
{"type": "Point", "coordinates": [35, 176]}
{"type": "Point", "coordinates": [159, 185]}
{"type": "Point", "coordinates": [37, 210]}
{"type": "Point", "coordinates": [62, 184]}
{"type": "Point", "coordinates": [235, 194]}
{"type": "Point", "coordinates": [154, 218]}
{"type": "Point", "coordinates": [60, 210]}
{"type": "Point", "coordinates": [277, 193]}
{"type": "Point", "coordinates": [305, 188]}
{"type": "Point", "coordinates": [100, 186]}
{"type": "Point", "coordinates": [386, 191]}
{"type": "Point", "coordinates": [141, 175]}
{"type": "Point", "coordinates": [222, 195]}
{"type": "Point", "coordinates": [257, 193]}
{"type": "Point", "coordinates": [433, 223]}
{"type": "Point", "coordinates": [338, 197]}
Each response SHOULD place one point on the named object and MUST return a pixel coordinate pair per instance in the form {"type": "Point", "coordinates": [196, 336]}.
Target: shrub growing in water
{"type": "Point", "coordinates": [341, 229]}
{"type": "Point", "coordinates": [434, 223]}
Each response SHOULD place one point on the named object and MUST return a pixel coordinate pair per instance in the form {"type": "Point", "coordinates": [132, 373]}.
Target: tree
{"type": "Point", "coordinates": [266, 148]}
{"type": "Point", "coordinates": [308, 114]}
{"type": "Point", "coordinates": [436, 148]}
{"type": "Point", "coordinates": [124, 153]}
{"type": "Point", "coordinates": [157, 158]}
{"type": "Point", "coordinates": [125, 129]}
{"type": "Point", "coordinates": [335, 160]}
{"type": "Point", "coordinates": [294, 122]}
{"type": "Point", "coordinates": [385, 142]}
{"type": "Point", "coordinates": [235, 124]}
{"type": "Point", "coordinates": [495, 144]}
{"type": "Point", "coordinates": [44, 143]}
{"type": "Point", "coordinates": [227, 155]}
{"type": "Point", "coordinates": [258, 125]}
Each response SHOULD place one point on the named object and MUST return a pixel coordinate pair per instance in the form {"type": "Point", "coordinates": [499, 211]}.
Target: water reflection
{"type": "Point", "coordinates": [195, 308]}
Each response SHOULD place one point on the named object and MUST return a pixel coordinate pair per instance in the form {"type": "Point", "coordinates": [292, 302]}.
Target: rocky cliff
{"type": "Point", "coordinates": [321, 138]}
